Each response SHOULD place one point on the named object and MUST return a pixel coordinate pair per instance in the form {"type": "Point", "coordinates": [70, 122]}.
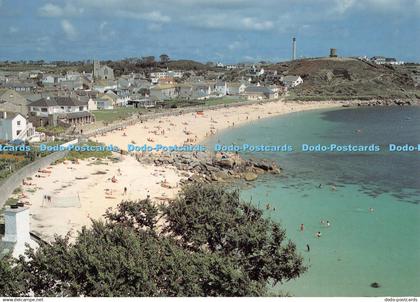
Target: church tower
{"type": "Point", "coordinates": [96, 66]}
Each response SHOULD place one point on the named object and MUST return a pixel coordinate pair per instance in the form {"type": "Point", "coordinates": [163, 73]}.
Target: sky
{"type": "Point", "coordinates": [227, 31]}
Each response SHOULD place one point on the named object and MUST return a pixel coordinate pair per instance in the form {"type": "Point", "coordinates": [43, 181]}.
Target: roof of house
{"type": "Point", "coordinates": [9, 115]}
{"type": "Point", "coordinates": [162, 87]}
{"type": "Point", "coordinates": [291, 78]}
{"type": "Point", "coordinates": [235, 84]}
{"type": "Point", "coordinates": [78, 114]}
{"type": "Point", "coordinates": [111, 94]}
{"type": "Point", "coordinates": [11, 96]}
{"type": "Point", "coordinates": [57, 101]}
{"type": "Point", "coordinates": [19, 85]}
{"type": "Point", "coordinates": [258, 89]}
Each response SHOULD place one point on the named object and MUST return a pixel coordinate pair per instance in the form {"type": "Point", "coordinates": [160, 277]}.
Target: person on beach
{"type": "Point", "coordinates": [125, 190]}
{"type": "Point", "coordinates": [302, 227]}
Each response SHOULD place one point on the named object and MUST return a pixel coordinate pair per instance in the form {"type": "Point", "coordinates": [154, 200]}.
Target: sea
{"type": "Point", "coordinates": [371, 200]}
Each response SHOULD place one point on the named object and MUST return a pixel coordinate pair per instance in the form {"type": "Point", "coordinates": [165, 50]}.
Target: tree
{"type": "Point", "coordinates": [164, 58]}
{"type": "Point", "coordinates": [212, 218]}
{"type": "Point", "coordinates": [11, 278]}
{"type": "Point", "coordinates": [212, 245]}
{"type": "Point", "coordinates": [148, 59]}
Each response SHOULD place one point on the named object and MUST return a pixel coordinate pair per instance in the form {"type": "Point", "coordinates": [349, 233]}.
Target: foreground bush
{"type": "Point", "coordinates": [210, 244]}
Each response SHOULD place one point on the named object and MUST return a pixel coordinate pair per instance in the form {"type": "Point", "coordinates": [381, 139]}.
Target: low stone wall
{"type": "Point", "coordinates": [15, 180]}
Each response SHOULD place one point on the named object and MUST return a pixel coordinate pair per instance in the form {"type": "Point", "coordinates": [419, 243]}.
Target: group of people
{"type": "Point", "coordinates": [318, 234]}
{"type": "Point", "coordinates": [47, 198]}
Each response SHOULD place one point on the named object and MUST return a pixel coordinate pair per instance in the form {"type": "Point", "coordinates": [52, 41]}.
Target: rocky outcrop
{"type": "Point", "coordinates": [207, 167]}
{"type": "Point", "coordinates": [378, 102]}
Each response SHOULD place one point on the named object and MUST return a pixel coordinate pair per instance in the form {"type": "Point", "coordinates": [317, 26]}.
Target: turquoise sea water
{"type": "Point", "coordinates": [360, 247]}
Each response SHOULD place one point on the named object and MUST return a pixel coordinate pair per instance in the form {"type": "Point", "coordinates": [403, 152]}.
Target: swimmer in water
{"type": "Point", "coordinates": [318, 234]}
{"type": "Point", "coordinates": [308, 249]}
{"type": "Point", "coordinates": [371, 210]}
{"type": "Point", "coordinates": [328, 223]}
{"type": "Point", "coordinates": [302, 227]}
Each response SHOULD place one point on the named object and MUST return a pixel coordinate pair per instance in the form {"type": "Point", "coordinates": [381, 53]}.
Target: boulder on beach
{"type": "Point", "coordinates": [249, 176]}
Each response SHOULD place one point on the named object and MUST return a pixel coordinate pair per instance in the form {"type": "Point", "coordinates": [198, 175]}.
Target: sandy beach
{"type": "Point", "coordinates": [68, 195]}
{"type": "Point", "coordinates": [192, 128]}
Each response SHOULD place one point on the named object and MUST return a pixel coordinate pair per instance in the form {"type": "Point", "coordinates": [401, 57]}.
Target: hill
{"type": "Point", "coordinates": [187, 65]}
{"type": "Point", "coordinates": [348, 78]}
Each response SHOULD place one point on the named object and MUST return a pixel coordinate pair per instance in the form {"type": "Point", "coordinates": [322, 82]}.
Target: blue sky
{"type": "Point", "coordinates": [208, 30]}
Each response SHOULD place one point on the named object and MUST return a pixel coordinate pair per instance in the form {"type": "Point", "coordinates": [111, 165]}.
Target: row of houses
{"type": "Point", "coordinates": [383, 60]}
{"type": "Point", "coordinates": [204, 90]}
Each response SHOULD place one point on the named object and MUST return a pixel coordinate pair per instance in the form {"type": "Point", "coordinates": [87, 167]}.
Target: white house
{"type": "Point", "coordinates": [220, 88]}
{"type": "Point", "coordinates": [261, 72]}
{"type": "Point", "coordinates": [254, 93]}
{"type": "Point", "coordinates": [15, 126]}
{"type": "Point", "coordinates": [175, 73]}
{"type": "Point", "coordinates": [292, 80]}
{"type": "Point", "coordinates": [55, 105]}
{"type": "Point", "coordinates": [105, 86]}
{"type": "Point", "coordinates": [69, 109]}
{"type": "Point", "coordinates": [235, 88]}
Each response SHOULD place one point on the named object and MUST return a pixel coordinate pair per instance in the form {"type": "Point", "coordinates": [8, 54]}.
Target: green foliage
{"type": "Point", "coordinates": [212, 245]}
{"type": "Point", "coordinates": [73, 155]}
{"type": "Point", "coordinates": [139, 215]}
{"type": "Point", "coordinates": [11, 278]}
{"type": "Point", "coordinates": [51, 130]}
{"type": "Point", "coordinates": [210, 217]}
{"type": "Point", "coordinates": [116, 114]}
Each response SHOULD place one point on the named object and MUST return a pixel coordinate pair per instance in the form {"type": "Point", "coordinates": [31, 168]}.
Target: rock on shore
{"type": "Point", "coordinates": [378, 102]}
{"type": "Point", "coordinates": [208, 167]}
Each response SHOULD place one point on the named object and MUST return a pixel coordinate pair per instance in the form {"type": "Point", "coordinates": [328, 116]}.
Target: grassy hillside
{"type": "Point", "coordinates": [187, 65]}
{"type": "Point", "coordinates": [344, 78]}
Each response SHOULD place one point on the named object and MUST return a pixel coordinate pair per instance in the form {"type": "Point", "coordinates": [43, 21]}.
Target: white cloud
{"type": "Point", "coordinates": [13, 29]}
{"type": "Point", "coordinates": [342, 6]}
{"type": "Point", "coordinates": [234, 45]}
{"type": "Point", "coordinates": [373, 6]}
{"type": "Point", "coordinates": [154, 27]}
{"type": "Point", "coordinates": [106, 32]}
{"type": "Point", "coordinates": [154, 16]}
{"type": "Point", "coordinates": [102, 25]}
{"type": "Point", "coordinates": [53, 10]}
{"type": "Point", "coordinates": [254, 24]}
{"type": "Point", "coordinates": [232, 22]}
{"type": "Point", "coordinates": [69, 30]}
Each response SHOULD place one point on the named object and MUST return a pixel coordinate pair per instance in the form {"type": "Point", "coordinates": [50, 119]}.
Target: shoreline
{"type": "Point", "coordinates": [197, 126]}
{"type": "Point", "coordinates": [84, 190]}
